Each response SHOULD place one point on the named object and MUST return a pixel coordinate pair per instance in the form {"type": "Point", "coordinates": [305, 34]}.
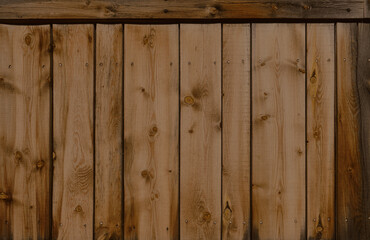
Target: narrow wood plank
{"type": "Point", "coordinates": [200, 177]}
{"type": "Point", "coordinates": [24, 132]}
{"type": "Point", "coordinates": [353, 131]}
{"type": "Point", "coordinates": [73, 179]}
{"type": "Point", "coordinates": [363, 86]}
{"type": "Point", "coordinates": [151, 132]}
{"type": "Point", "coordinates": [189, 9]}
{"type": "Point", "coordinates": [108, 132]}
{"type": "Point", "coordinates": [320, 131]}
{"type": "Point", "coordinates": [236, 132]}
{"type": "Point", "coordinates": [278, 143]}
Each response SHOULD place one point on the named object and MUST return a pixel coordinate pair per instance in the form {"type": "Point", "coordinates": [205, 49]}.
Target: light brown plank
{"type": "Point", "coordinates": [200, 177]}
{"type": "Point", "coordinates": [108, 132]}
{"type": "Point", "coordinates": [189, 9]}
{"type": "Point", "coordinates": [353, 131]}
{"type": "Point", "coordinates": [73, 179]}
{"type": "Point", "coordinates": [320, 131]}
{"type": "Point", "coordinates": [278, 143]}
{"type": "Point", "coordinates": [236, 132]}
{"type": "Point", "coordinates": [24, 132]}
{"type": "Point", "coordinates": [151, 128]}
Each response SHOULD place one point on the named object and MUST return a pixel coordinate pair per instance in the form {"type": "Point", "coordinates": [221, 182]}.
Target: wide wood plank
{"type": "Point", "coordinates": [200, 171]}
{"type": "Point", "coordinates": [278, 123]}
{"type": "Point", "coordinates": [108, 132]}
{"type": "Point", "coordinates": [151, 132]}
{"type": "Point", "coordinates": [24, 132]}
{"type": "Point", "coordinates": [73, 179]}
{"type": "Point", "coordinates": [353, 131]}
{"type": "Point", "coordinates": [320, 131]}
{"type": "Point", "coordinates": [185, 9]}
{"type": "Point", "coordinates": [236, 132]}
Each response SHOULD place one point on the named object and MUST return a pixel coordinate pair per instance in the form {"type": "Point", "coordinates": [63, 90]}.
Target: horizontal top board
{"type": "Point", "coordinates": [183, 9]}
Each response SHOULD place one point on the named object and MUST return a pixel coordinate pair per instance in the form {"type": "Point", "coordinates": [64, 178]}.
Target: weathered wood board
{"type": "Point", "coordinates": [73, 86]}
{"type": "Point", "coordinates": [278, 123]}
{"type": "Point", "coordinates": [151, 132]}
{"type": "Point", "coordinates": [353, 194]}
{"type": "Point", "coordinates": [180, 9]}
{"type": "Point", "coordinates": [24, 132]}
{"type": "Point", "coordinates": [200, 131]}
{"type": "Point", "coordinates": [236, 131]}
{"type": "Point", "coordinates": [108, 132]}
{"type": "Point", "coordinates": [320, 131]}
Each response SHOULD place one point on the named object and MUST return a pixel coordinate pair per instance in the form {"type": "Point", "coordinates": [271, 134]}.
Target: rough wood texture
{"type": "Point", "coordinates": [185, 9]}
{"type": "Point", "coordinates": [108, 132]}
{"type": "Point", "coordinates": [320, 131]}
{"type": "Point", "coordinates": [278, 161]}
{"type": "Point", "coordinates": [236, 132]}
{"type": "Point", "coordinates": [73, 179]}
{"type": "Point", "coordinates": [151, 134]}
{"type": "Point", "coordinates": [353, 131]}
{"type": "Point", "coordinates": [200, 181]}
{"type": "Point", "coordinates": [24, 132]}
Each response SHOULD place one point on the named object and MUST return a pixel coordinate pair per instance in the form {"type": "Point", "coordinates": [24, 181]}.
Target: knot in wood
{"type": "Point", "coordinates": [153, 131]}
{"type": "Point", "coordinates": [18, 156]}
{"type": "Point", "coordinates": [206, 216]}
{"type": "Point", "coordinates": [265, 117]}
{"type": "Point", "coordinates": [28, 39]}
{"type": "Point", "coordinates": [213, 11]}
{"type": "Point", "coordinates": [4, 196]}
{"type": "Point", "coordinates": [40, 164]}
{"type": "Point", "coordinates": [274, 7]}
{"type": "Point", "coordinates": [319, 229]}
{"type": "Point", "coordinates": [313, 79]}
{"type": "Point", "coordinates": [189, 100]}
{"type": "Point", "coordinates": [78, 208]}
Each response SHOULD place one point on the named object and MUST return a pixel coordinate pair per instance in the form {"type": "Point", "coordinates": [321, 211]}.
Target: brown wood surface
{"type": "Point", "coordinates": [24, 132]}
{"type": "Point", "coordinates": [278, 123]}
{"type": "Point", "coordinates": [236, 132]}
{"type": "Point", "coordinates": [182, 9]}
{"type": "Point", "coordinates": [108, 132]}
{"type": "Point", "coordinates": [353, 131]}
{"type": "Point", "coordinates": [151, 132]}
{"type": "Point", "coordinates": [73, 179]}
{"type": "Point", "coordinates": [320, 131]}
{"type": "Point", "coordinates": [200, 150]}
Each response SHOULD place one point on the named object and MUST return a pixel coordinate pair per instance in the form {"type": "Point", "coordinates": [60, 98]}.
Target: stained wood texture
{"type": "Point", "coordinates": [151, 132]}
{"type": "Point", "coordinates": [73, 179]}
{"type": "Point", "coordinates": [190, 9]}
{"type": "Point", "coordinates": [24, 132]}
{"type": "Point", "coordinates": [353, 131]}
{"type": "Point", "coordinates": [108, 132]}
{"type": "Point", "coordinates": [320, 131]}
{"type": "Point", "coordinates": [200, 177]}
{"type": "Point", "coordinates": [278, 161]}
{"type": "Point", "coordinates": [236, 132]}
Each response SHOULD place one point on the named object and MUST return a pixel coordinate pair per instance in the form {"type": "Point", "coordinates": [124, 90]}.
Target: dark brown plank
{"type": "Point", "coordinates": [353, 131]}
{"type": "Point", "coordinates": [175, 9]}
{"type": "Point", "coordinates": [24, 132]}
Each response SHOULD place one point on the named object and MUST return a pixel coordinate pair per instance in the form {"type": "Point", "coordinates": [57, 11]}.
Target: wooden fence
{"type": "Point", "coordinates": [190, 131]}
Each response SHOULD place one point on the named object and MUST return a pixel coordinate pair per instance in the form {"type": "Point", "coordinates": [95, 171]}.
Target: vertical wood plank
{"type": "Point", "coordinates": [278, 161]}
{"type": "Point", "coordinates": [24, 132]}
{"type": "Point", "coordinates": [236, 132]}
{"type": "Point", "coordinates": [151, 128]}
{"type": "Point", "coordinates": [73, 179]}
{"type": "Point", "coordinates": [320, 131]}
{"type": "Point", "coordinates": [108, 132]}
{"type": "Point", "coordinates": [353, 131]}
{"type": "Point", "coordinates": [200, 177]}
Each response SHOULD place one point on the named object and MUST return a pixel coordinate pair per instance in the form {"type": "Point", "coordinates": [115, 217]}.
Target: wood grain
{"type": "Point", "coordinates": [73, 179]}
{"type": "Point", "coordinates": [236, 132]}
{"type": "Point", "coordinates": [200, 177]}
{"type": "Point", "coordinates": [24, 132]}
{"type": "Point", "coordinates": [353, 131]}
{"type": "Point", "coordinates": [278, 123]}
{"type": "Point", "coordinates": [108, 132]}
{"type": "Point", "coordinates": [182, 9]}
{"type": "Point", "coordinates": [151, 132]}
{"type": "Point", "coordinates": [320, 131]}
